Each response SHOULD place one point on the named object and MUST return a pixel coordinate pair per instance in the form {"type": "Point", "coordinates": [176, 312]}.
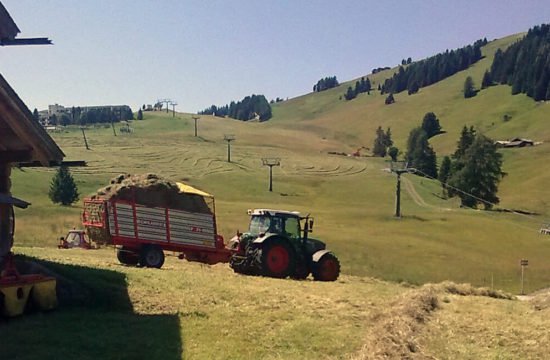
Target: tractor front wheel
{"type": "Point", "coordinates": [127, 256]}
{"type": "Point", "coordinates": [277, 259]}
{"type": "Point", "coordinates": [152, 256]}
{"type": "Point", "coordinates": [327, 268]}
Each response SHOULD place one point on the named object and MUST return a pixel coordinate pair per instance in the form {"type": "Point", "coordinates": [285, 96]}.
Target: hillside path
{"type": "Point", "coordinates": [419, 200]}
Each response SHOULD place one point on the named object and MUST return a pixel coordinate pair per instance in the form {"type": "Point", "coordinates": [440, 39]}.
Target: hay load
{"type": "Point", "coordinates": [153, 191]}
{"type": "Point", "coordinates": [150, 190]}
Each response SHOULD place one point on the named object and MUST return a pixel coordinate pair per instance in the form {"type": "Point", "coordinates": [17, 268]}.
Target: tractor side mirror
{"type": "Point", "coordinates": [310, 225]}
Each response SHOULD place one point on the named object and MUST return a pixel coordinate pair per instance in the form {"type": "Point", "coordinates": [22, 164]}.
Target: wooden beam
{"type": "Point", "coordinates": [70, 163]}
{"type": "Point", "coordinates": [16, 156]}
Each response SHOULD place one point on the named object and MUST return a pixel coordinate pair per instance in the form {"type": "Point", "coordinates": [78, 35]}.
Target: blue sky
{"type": "Point", "coordinates": [200, 53]}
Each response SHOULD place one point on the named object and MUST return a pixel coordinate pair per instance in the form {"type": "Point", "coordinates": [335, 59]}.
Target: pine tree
{"type": "Point", "coordinates": [387, 138]}
{"type": "Point", "coordinates": [393, 152]}
{"type": "Point", "coordinates": [413, 88]}
{"type": "Point", "coordinates": [379, 147]}
{"type": "Point", "coordinates": [350, 94]}
{"type": "Point", "coordinates": [444, 172]}
{"type": "Point", "coordinates": [469, 90]}
{"type": "Point", "coordinates": [430, 124]}
{"type": "Point", "coordinates": [389, 100]}
{"type": "Point", "coordinates": [467, 137]}
{"type": "Point", "coordinates": [63, 189]}
{"type": "Point", "coordinates": [487, 80]}
{"type": "Point", "coordinates": [479, 174]}
{"type": "Point", "coordinates": [420, 154]}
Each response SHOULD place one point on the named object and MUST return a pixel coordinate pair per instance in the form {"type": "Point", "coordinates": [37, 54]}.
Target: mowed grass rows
{"type": "Point", "coordinates": [352, 200]}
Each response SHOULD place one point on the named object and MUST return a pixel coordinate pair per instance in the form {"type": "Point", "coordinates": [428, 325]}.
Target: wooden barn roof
{"type": "Point", "coordinates": [22, 139]}
{"type": "Point", "coordinates": [8, 28]}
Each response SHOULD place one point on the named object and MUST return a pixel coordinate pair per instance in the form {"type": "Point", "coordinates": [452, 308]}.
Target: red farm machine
{"type": "Point", "coordinates": [19, 292]}
{"type": "Point", "coordinates": [141, 232]}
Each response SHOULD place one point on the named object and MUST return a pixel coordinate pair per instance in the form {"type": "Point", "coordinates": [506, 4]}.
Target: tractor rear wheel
{"type": "Point", "coordinates": [127, 256]}
{"type": "Point", "coordinates": [277, 259]}
{"type": "Point", "coordinates": [327, 268]}
{"type": "Point", "coordinates": [152, 256]}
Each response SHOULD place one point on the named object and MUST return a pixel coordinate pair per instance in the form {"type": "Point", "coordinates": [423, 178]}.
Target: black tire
{"type": "Point", "coordinates": [278, 259]}
{"type": "Point", "coordinates": [327, 268]}
{"type": "Point", "coordinates": [152, 256]}
{"type": "Point", "coordinates": [127, 256]}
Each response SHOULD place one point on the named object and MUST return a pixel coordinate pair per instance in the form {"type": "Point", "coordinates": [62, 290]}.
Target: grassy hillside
{"type": "Point", "coordinates": [209, 312]}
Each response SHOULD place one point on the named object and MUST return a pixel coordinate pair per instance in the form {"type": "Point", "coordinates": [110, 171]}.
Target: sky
{"type": "Point", "coordinates": [200, 52]}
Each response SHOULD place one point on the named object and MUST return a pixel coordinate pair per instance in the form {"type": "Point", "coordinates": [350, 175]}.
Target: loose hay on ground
{"type": "Point", "coordinates": [395, 331]}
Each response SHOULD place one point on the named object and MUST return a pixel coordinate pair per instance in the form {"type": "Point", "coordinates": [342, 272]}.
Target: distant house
{"type": "Point", "coordinates": [515, 142]}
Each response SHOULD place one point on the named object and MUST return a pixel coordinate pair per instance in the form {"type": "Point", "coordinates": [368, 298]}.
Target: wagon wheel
{"type": "Point", "coordinates": [152, 256]}
{"type": "Point", "coordinates": [277, 259]}
{"type": "Point", "coordinates": [327, 268]}
{"type": "Point", "coordinates": [127, 256]}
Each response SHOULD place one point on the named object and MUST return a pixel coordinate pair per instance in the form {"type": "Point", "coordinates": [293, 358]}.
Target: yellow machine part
{"type": "Point", "coordinates": [42, 294]}
{"type": "Point", "coordinates": [15, 299]}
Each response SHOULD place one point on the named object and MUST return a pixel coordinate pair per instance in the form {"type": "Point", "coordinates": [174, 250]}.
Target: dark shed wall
{"type": "Point", "coordinates": [5, 185]}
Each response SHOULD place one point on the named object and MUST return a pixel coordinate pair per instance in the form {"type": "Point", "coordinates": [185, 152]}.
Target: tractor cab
{"type": "Point", "coordinates": [265, 221]}
{"type": "Point", "coordinates": [75, 239]}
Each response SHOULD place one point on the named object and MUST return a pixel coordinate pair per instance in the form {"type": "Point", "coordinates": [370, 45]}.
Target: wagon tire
{"type": "Point", "coordinates": [127, 256]}
{"type": "Point", "coordinates": [152, 256]}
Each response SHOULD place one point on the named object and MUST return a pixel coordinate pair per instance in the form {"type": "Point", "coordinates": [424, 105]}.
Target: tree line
{"type": "Point", "coordinates": [86, 116]}
{"type": "Point", "coordinates": [247, 109]}
{"type": "Point", "coordinates": [361, 86]}
{"type": "Point", "coordinates": [525, 65]}
{"type": "Point", "coordinates": [325, 84]}
{"type": "Point", "coordinates": [433, 69]}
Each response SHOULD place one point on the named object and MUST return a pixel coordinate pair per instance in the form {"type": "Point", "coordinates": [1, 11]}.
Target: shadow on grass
{"type": "Point", "coordinates": [95, 320]}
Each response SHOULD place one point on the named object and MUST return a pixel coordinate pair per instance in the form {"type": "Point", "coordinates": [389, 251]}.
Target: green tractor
{"type": "Point", "coordinates": [278, 245]}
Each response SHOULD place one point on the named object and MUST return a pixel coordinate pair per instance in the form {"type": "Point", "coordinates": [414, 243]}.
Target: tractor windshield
{"type": "Point", "coordinates": [259, 225]}
{"type": "Point", "coordinates": [288, 226]}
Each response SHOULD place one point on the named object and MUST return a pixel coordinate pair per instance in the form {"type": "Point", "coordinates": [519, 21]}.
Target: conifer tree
{"type": "Point", "coordinates": [479, 174]}
{"type": "Point", "coordinates": [430, 124]}
{"type": "Point", "coordinates": [420, 154]}
{"type": "Point", "coordinates": [444, 172]}
{"type": "Point", "coordinates": [63, 189]}
{"type": "Point", "coordinates": [379, 147]}
{"type": "Point", "coordinates": [469, 90]}
{"type": "Point", "coordinates": [393, 152]}
{"type": "Point", "coordinates": [487, 80]}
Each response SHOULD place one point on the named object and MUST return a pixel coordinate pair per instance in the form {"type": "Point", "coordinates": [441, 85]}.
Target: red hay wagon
{"type": "Point", "coordinates": [142, 233]}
